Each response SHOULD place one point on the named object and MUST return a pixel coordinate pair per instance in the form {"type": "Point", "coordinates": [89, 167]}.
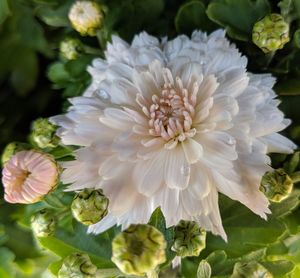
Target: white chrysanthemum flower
{"type": "Point", "coordinates": [170, 124]}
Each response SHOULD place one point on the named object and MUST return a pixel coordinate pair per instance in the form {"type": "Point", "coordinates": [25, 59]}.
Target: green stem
{"type": "Point", "coordinates": [269, 58]}
{"type": "Point", "coordinates": [295, 177]}
{"type": "Point", "coordinates": [91, 50]}
{"type": "Point", "coordinates": [100, 39]}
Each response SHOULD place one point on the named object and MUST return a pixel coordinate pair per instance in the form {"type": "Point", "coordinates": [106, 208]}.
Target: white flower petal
{"type": "Point", "coordinates": [193, 150]}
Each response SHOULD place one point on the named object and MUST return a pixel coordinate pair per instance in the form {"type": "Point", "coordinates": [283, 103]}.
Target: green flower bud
{"type": "Point", "coordinates": [86, 17]}
{"type": "Point", "coordinates": [276, 185]}
{"type": "Point", "coordinates": [271, 33]}
{"type": "Point", "coordinates": [139, 249]}
{"type": "Point", "coordinates": [250, 270]}
{"type": "Point", "coordinates": [43, 134]}
{"type": "Point", "coordinates": [89, 206]}
{"type": "Point", "coordinates": [189, 239]}
{"type": "Point", "coordinates": [43, 223]}
{"type": "Point", "coordinates": [77, 266]}
{"type": "Point", "coordinates": [11, 149]}
{"type": "Point", "coordinates": [71, 48]}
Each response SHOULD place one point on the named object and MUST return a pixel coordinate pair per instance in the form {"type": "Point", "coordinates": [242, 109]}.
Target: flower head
{"type": "Point", "coordinates": [43, 133]}
{"type": "Point", "coordinates": [43, 223]}
{"type": "Point", "coordinates": [169, 124]}
{"type": "Point", "coordinates": [89, 206]}
{"type": "Point", "coordinates": [28, 176]}
{"type": "Point", "coordinates": [139, 249]}
{"type": "Point", "coordinates": [86, 17]}
{"type": "Point", "coordinates": [276, 185]}
{"type": "Point", "coordinates": [271, 33]}
{"type": "Point", "coordinates": [77, 265]}
{"type": "Point", "coordinates": [189, 239]}
{"type": "Point", "coordinates": [71, 48]}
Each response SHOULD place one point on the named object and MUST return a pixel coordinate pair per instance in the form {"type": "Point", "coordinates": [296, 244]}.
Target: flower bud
{"type": "Point", "coordinates": [71, 48]}
{"type": "Point", "coordinates": [189, 239]}
{"type": "Point", "coordinates": [89, 206]}
{"type": "Point", "coordinates": [276, 185]}
{"type": "Point", "coordinates": [28, 176]}
{"type": "Point", "coordinates": [11, 149]}
{"type": "Point", "coordinates": [86, 17]}
{"type": "Point", "coordinates": [271, 33]}
{"type": "Point", "coordinates": [43, 223]}
{"type": "Point", "coordinates": [43, 134]}
{"type": "Point", "coordinates": [139, 249]}
{"type": "Point", "coordinates": [250, 270]}
{"type": "Point", "coordinates": [77, 265]}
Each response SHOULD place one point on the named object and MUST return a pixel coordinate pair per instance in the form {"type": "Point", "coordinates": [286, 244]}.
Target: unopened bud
{"type": "Point", "coordinates": [189, 239]}
{"type": "Point", "coordinates": [276, 185]}
{"type": "Point", "coordinates": [78, 266]}
{"type": "Point", "coordinates": [271, 33]}
{"type": "Point", "coordinates": [250, 270]}
{"type": "Point", "coordinates": [139, 249]}
{"type": "Point", "coordinates": [43, 134]}
{"type": "Point", "coordinates": [71, 48]}
{"type": "Point", "coordinates": [43, 223]}
{"type": "Point", "coordinates": [11, 149]}
{"type": "Point", "coordinates": [89, 206]}
{"type": "Point", "coordinates": [86, 17]}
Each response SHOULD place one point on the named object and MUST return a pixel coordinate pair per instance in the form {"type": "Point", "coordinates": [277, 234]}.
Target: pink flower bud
{"type": "Point", "coordinates": [28, 176]}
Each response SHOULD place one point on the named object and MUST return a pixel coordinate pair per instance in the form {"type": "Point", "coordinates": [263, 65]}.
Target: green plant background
{"type": "Point", "coordinates": [35, 81]}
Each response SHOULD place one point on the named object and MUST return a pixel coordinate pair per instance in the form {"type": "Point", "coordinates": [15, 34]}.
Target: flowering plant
{"type": "Point", "coordinates": [163, 141]}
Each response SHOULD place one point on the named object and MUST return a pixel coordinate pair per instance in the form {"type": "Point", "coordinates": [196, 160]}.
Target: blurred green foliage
{"type": "Point", "coordinates": [35, 81]}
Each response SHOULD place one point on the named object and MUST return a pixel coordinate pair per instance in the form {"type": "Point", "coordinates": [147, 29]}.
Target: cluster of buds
{"type": "Point", "coordinates": [189, 239]}
{"type": "Point", "coordinates": [271, 33]}
{"type": "Point", "coordinates": [89, 206]}
{"type": "Point", "coordinates": [43, 223]}
{"type": "Point", "coordinates": [139, 249]}
{"type": "Point", "coordinates": [71, 48]}
{"type": "Point", "coordinates": [276, 185]}
{"type": "Point", "coordinates": [86, 17]}
{"type": "Point", "coordinates": [77, 265]}
{"type": "Point", "coordinates": [43, 134]}
{"type": "Point", "coordinates": [250, 270]}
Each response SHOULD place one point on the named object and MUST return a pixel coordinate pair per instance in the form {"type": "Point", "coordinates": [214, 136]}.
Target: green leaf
{"type": "Point", "coordinates": [238, 17]}
{"type": "Point", "coordinates": [204, 270]}
{"type": "Point", "coordinates": [58, 74]}
{"type": "Point", "coordinates": [7, 268]}
{"type": "Point", "coordinates": [291, 166]}
{"type": "Point", "coordinates": [77, 68]}
{"type": "Point", "coordinates": [4, 10]}
{"type": "Point", "coordinates": [286, 206]}
{"type": "Point", "coordinates": [56, 16]}
{"type": "Point", "coordinates": [242, 225]}
{"type": "Point", "coordinates": [65, 243]}
{"type": "Point", "coordinates": [158, 221]}
{"type": "Point", "coordinates": [279, 268]}
{"type": "Point", "coordinates": [192, 16]}
{"type": "Point", "coordinates": [55, 267]}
